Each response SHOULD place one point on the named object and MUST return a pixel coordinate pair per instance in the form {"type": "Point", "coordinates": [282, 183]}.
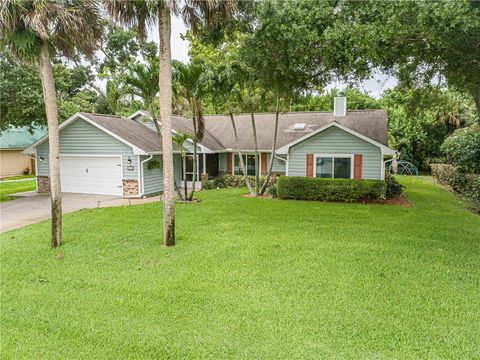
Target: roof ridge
{"type": "Point", "coordinates": [294, 112]}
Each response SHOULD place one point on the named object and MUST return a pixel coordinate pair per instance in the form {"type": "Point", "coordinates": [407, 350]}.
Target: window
{"type": "Point", "coordinates": [249, 163]}
{"type": "Point", "coordinates": [334, 166]}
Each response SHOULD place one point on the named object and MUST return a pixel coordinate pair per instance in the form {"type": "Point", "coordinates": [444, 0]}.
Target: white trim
{"type": "Point", "coordinates": [385, 149]}
{"type": "Point", "coordinates": [36, 171]}
{"type": "Point", "coordinates": [136, 150]}
{"type": "Point", "coordinates": [90, 155]}
{"type": "Point", "coordinates": [382, 175]}
{"type": "Point", "coordinates": [287, 165]}
{"type": "Point", "coordinates": [333, 156]}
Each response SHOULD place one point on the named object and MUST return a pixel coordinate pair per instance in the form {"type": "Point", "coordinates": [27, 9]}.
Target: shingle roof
{"type": "Point", "coordinates": [371, 123]}
{"type": "Point", "coordinates": [130, 130]}
{"type": "Point", "coordinates": [219, 134]}
{"type": "Point", "coordinates": [20, 138]}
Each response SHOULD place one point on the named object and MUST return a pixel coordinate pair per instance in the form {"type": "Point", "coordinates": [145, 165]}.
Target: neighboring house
{"type": "Point", "coordinates": [103, 154]}
{"type": "Point", "coordinates": [12, 142]}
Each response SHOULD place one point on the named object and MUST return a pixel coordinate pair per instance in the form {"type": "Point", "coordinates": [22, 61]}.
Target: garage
{"type": "Point", "coordinates": [91, 174]}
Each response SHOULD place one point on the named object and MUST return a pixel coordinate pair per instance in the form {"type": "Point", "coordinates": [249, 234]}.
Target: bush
{"type": "Point", "coordinates": [215, 183]}
{"type": "Point", "coordinates": [239, 180]}
{"type": "Point", "coordinates": [394, 188]}
{"type": "Point", "coordinates": [345, 190]}
{"type": "Point", "coordinates": [272, 191]}
{"type": "Point", "coordinates": [462, 149]}
{"type": "Point", "coordinates": [466, 184]}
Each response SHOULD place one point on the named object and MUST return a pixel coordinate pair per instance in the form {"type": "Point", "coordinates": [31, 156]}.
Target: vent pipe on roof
{"type": "Point", "coordinates": [340, 105]}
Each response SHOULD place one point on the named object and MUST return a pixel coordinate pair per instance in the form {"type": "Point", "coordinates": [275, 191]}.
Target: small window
{"type": "Point", "coordinates": [337, 167]}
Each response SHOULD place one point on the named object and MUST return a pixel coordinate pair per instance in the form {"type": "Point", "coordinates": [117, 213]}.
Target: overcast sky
{"type": "Point", "coordinates": [374, 86]}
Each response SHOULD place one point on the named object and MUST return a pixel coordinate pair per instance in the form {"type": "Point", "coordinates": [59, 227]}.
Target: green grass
{"type": "Point", "coordinates": [249, 278]}
{"type": "Point", "coordinates": [8, 188]}
{"type": "Point", "coordinates": [18, 177]}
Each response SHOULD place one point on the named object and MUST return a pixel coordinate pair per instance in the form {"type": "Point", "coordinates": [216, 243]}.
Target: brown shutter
{"type": "Point", "coordinates": [310, 165]}
{"type": "Point", "coordinates": [357, 166]}
{"type": "Point", "coordinates": [264, 164]}
{"type": "Point", "coordinates": [229, 163]}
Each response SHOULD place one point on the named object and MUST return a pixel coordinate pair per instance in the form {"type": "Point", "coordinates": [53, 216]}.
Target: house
{"type": "Point", "coordinates": [12, 142]}
{"type": "Point", "coordinates": [105, 154]}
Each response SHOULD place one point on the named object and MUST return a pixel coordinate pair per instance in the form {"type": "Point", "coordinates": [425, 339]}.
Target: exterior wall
{"type": "Point", "coordinates": [82, 138]}
{"type": "Point", "coordinates": [279, 167]}
{"type": "Point", "coordinates": [130, 188]}
{"type": "Point", "coordinates": [336, 141]}
{"type": "Point", "coordinates": [43, 184]}
{"type": "Point", "coordinates": [152, 179]}
{"type": "Point", "coordinates": [13, 162]}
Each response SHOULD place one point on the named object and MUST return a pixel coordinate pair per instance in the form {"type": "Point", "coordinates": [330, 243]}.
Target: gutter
{"type": "Point", "coordinates": [141, 174]}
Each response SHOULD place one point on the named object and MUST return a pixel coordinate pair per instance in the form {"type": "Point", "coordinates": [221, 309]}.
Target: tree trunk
{"type": "Point", "coordinates": [50, 98]}
{"type": "Point", "coordinates": [194, 175]}
{"type": "Point", "coordinates": [184, 169]}
{"type": "Point", "coordinates": [165, 91]}
{"type": "Point", "coordinates": [177, 190]}
{"type": "Point", "coordinates": [257, 159]}
{"type": "Point", "coordinates": [272, 157]}
{"type": "Point", "coordinates": [240, 155]}
{"type": "Point", "coordinates": [476, 98]}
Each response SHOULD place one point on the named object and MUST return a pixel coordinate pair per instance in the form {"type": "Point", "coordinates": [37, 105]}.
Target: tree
{"type": "Point", "coordinates": [194, 13]}
{"type": "Point", "coordinates": [422, 42]}
{"type": "Point", "coordinates": [180, 138]}
{"type": "Point", "coordinates": [34, 31]}
{"type": "Point", "coordinates": [188, 86]}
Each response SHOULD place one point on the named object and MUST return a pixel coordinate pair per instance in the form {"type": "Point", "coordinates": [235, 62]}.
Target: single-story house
{"type": "Point", "coordinates": [105, 154]}
{"type": "Point", "coordinates": [12, 142]}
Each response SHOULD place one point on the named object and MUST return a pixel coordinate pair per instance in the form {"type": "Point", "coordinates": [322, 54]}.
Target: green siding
{"type": "Point", "coordinates": [278, 165]}
{"type": "Point", "coordinates": [153, 179]}
{"type": "Point", "coordinates": [82, 138]}
{"type": "Point", "coordinates": [336, 141]}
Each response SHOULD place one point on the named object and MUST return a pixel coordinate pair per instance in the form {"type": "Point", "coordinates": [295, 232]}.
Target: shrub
{"type": "Point", "coordinates": [215, 183]}
{"type": "Point", "coordinates": [345, 190]}
{"type": "Point", "coordinates": [467, 184]}
{"type": "Point", "coordinates": [239, 180]}
{"type": "Point", "coordinates": [272, 191]}
{"type": "Point", "coordinates": [394, 188]}
{"type": "Point", "coordinates": [462, 149]}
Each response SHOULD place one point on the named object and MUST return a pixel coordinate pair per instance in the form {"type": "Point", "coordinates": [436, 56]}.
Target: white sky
{"type": "Point", "coordinates": [374, 86]}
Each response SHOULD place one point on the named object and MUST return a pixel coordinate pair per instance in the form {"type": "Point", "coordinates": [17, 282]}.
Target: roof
{"type": "Point", "coordinates": [19, 138]}
{"type": "Point", "coordinates": [130, 130]}
{"type": "Point", "coordinates": [219, 133]}
{"type": "Point", "coordinates": [370, 123]}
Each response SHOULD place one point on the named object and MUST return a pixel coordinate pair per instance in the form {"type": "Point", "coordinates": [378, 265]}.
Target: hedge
{"type": "Point", "coordinates": [466, 184]}
{"type": "Point", "coordinates": [345, 190]}
{"type": "Point", "coordinates": [231, 181]}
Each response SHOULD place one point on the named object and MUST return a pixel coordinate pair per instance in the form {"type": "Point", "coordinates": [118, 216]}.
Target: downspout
{"type": "Point", "coordinates": [141, 174]}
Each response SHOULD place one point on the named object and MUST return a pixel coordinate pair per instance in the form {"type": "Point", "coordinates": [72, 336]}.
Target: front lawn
{"type": "Point", "coordinates": [12, 187]}
{"type": "Point", "coordinates": [249, 278]}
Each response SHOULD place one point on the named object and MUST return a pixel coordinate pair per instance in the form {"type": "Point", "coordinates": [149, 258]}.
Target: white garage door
{"type": "Point", "coordinates": [91, 174]}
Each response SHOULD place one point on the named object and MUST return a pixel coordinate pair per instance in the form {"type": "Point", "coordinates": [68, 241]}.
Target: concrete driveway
{"type": "Point", "coordinates": [32, 207]}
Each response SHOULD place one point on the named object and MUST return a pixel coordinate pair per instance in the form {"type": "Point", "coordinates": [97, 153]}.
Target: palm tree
{"type": "Point", "coordinates": [188, 89]}
{"type": "Point", "coordinates": [195, 13]}
{"type": "Point", "coordinates": [180, 138]}
{"type": "Point", "coordinates": [35, 31]}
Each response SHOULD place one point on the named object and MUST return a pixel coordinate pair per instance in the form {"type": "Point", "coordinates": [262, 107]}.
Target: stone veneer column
{"type": "Point", "coordinates": [43, 184]}
{"type": "Point", "coordinates": [130, 187]}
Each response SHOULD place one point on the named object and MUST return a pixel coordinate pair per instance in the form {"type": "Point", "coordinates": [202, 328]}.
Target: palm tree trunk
{"type": "Point", "coordinates": [51, 111]}
{"type": "Point", "coordinates": [240, 155]}
{"type": "Point", "coordinates": [165, 91]}
{"type": "Point", "coordinates": [255, 143]}
{"type": "Point", "coordinates": [270, 165]}
{"type": "Point", "coordinates": [184, 168]}
{"type": "Point", "coordinates": [194, 175]}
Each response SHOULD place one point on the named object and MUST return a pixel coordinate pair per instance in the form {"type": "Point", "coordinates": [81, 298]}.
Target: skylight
{"type": "Point", "coordinates": [299, 126]}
